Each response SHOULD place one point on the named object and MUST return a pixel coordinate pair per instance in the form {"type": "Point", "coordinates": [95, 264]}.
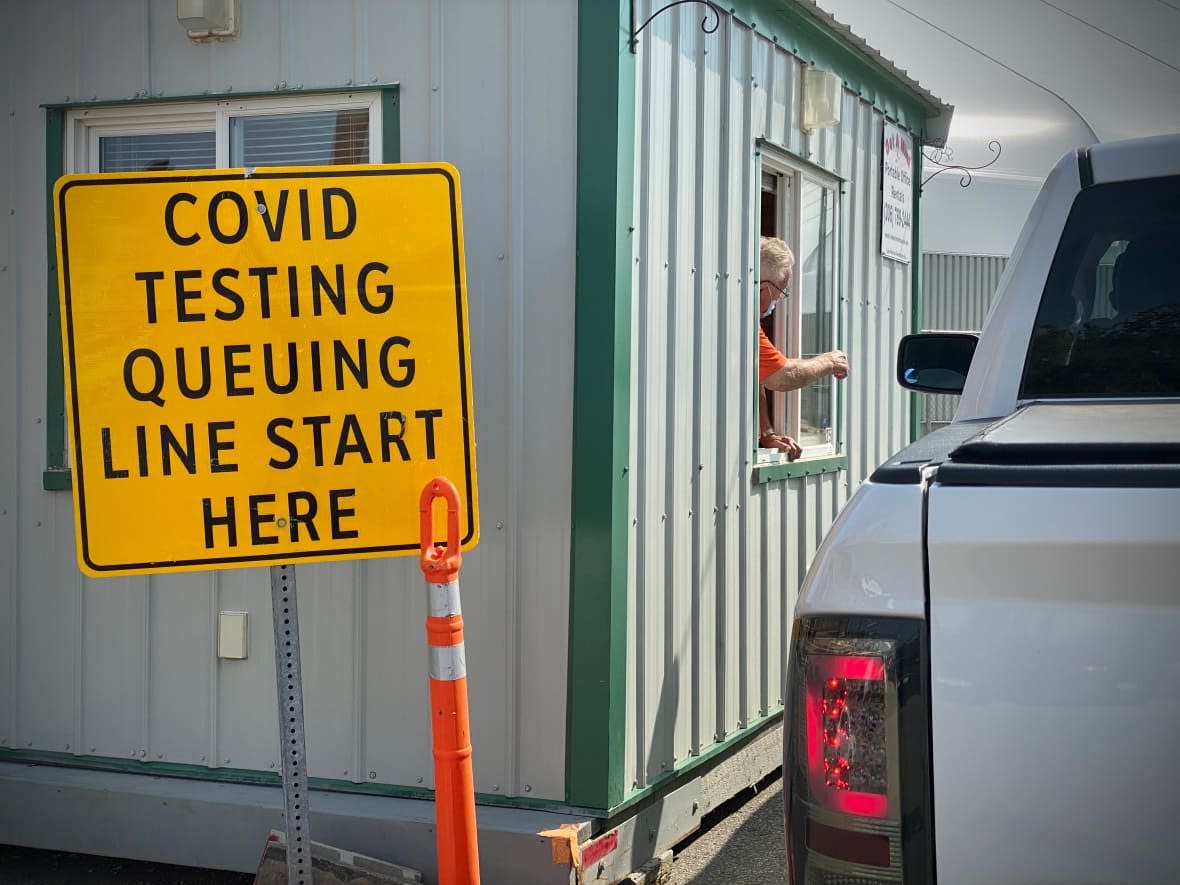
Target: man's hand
{"type": "Point", "coordinates": [781, 443]}
{"type": "Point", "coordinates": [839, 364]}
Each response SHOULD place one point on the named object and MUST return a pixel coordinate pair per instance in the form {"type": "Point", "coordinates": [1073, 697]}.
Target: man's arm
{"type": "Point", "coordinates": [799, 373]}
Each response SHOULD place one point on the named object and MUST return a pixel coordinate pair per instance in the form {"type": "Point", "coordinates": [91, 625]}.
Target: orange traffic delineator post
{"type": "Point", "coordinates": [454, 783]}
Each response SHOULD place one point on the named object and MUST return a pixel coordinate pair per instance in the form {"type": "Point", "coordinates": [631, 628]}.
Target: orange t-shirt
{"type": "Point", "coordinates": [770, 360]}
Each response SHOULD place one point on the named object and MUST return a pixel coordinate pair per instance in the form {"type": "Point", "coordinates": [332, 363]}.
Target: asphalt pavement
{"type": "Point", "coordinates": [740, 843]}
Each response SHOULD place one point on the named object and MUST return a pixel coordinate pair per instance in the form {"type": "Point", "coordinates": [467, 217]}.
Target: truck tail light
{"type": "Point", "coordinates": [856, 770]}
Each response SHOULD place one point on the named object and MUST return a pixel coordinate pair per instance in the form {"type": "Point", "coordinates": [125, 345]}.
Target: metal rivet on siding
{"type": "Point", "coordinates": [499, 257]}
{"type": "Point", "coordinates": [348, 82]}
{"type": "Point", "coordinates": [528, 788]}
{"type": "Point", "coordinates": [419, 780]}
{"type": "Point", "coordinates": [67, 746]}
{"type": "Point", "coordinates": [92, 749]}
{"type": "Point", "coordinates": [499, 526]}
{"type": "Point", "coordinates": [372, 775]}
{"type": "Point", "coordinates": [202, 758]}
{"type": "Point", "coordinates": [495, 788]}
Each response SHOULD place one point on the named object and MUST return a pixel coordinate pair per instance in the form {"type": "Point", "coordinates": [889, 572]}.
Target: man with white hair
{"type": "Point", "coordinates": [775, 370]}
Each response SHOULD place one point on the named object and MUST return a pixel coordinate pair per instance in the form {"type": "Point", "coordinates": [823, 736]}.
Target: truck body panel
{"type": "Point", "coordinates": [1055, 699]}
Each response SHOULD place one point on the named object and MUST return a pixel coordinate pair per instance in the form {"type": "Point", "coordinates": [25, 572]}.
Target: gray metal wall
{"type": "Point", "coordinates": [957, 293]}
{"type": "Point", "coordinates": [716, 561]}
{"type": "Point", "coordinates": [127, 668]}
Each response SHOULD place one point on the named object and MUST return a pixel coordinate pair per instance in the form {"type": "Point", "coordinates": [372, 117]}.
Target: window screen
{"type": "Point", "coordinates": [164, 150]}
{"type": "Point", "coordinates": [313, 139]}
{"type": "Point", "coordinates": [1109, 318]}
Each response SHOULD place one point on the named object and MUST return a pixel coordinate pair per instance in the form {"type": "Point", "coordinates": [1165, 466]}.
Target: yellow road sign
{"type": "Point", "coordinates": [263, 367]}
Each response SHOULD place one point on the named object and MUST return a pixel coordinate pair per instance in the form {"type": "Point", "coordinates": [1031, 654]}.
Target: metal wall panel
{"type": "Point", "coordinates": [716, 561]}
{"type": "Point", "coordinates": [126, 668]}
{"type": "Point", "coordinates": [957, 292]}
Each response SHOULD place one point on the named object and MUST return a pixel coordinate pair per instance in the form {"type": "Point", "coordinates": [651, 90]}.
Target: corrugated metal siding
{"type": "Point", "coordinates": [957, 293]}
{"type": "Point", "coordinates": [126, 668]}
{"type": "Point", "coordinates": [716, 561]}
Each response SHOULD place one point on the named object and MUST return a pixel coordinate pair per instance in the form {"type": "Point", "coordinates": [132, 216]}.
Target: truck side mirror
{"type": "Point", "coordinates": [935, 362]}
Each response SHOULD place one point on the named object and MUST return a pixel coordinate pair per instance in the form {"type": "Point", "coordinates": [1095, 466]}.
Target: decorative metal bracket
{"type": "Point", "coordinates": [944, 158]}
{"type": "Point", "coordinates": [714, 13]}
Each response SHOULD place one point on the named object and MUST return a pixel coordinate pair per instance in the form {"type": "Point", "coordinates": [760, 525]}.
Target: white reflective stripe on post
{"type": "Point", "coordinates": [443, 601]}
{"type": "Point", "coordinates": [448, 663]}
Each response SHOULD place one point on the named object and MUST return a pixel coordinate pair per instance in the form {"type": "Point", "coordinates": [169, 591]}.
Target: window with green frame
{"type": "Point", "coordinates": [309, 129]}
{"type": "Point", "coordinates": [800, 205]}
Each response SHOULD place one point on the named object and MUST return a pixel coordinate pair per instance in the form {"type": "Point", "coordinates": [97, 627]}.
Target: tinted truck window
{"type": "Point", "coordinates": [1109, 319]}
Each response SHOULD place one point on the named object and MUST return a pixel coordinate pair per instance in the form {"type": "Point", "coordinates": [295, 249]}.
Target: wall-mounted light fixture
{"type": "Point", "coordinates": [207, 19]}
{"type": "Point", "coordinates": [822, 98]}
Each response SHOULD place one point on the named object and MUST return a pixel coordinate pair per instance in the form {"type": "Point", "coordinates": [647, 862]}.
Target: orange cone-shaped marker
{"type": "Point", "coordinates": [454, 784]}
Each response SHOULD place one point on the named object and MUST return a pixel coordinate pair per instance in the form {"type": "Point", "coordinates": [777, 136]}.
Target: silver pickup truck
{"type": "Point", "coordinates": [984, 674]}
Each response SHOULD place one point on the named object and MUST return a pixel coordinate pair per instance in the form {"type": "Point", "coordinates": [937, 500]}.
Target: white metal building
{"type": "Point", "coordinates": [629, 603]}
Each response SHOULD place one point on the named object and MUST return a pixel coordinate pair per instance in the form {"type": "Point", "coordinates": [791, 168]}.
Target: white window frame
{"type": "Point", "coordinates": [86, 126]}
{"type": "Point", "coordinates": [789, 321]}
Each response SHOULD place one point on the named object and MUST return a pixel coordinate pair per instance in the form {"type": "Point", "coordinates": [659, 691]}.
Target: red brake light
{"type": "Point", "coordinates": [857, 766]}
{"type": "Point", "coordinates": [846, 752]}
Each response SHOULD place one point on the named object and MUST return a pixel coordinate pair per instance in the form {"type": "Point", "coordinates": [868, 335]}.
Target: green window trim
{"type": "Point", "coordinates": [764, 473]}
{"type": "Point", "coordinates": [57, 476]}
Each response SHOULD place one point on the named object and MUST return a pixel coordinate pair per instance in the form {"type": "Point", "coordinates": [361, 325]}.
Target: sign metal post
{"type": "Point", "coordinates": [289, 680]}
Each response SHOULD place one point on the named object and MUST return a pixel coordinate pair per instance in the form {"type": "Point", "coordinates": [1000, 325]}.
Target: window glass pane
{"type": "Point", "coordinates": [816, 287]}
{"type": "Point", "coordinates": [1109, 319]}
{"type": "Point", "coordinates": [165, 150]}
{"type": "Point", "coordinates": [320, 138]}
